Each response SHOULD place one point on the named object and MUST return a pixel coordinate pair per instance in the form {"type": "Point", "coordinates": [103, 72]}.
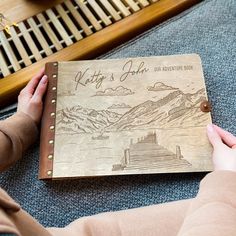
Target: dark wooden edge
{"type": "Point", "coordinates": [97, 43]}
{"type": "Point", "coordinates": [48, 123]}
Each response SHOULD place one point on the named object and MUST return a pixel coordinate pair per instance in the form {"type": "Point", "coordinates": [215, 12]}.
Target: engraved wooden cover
{"type": "Point", "coordinates": [129, 116]}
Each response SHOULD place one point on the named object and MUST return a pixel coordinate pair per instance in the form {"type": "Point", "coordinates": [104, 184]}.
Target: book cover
{"type": "Point", "coordinates": [125, 116]}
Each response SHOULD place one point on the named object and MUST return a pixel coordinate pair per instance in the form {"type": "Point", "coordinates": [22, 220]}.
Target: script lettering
{"type": "Point", "coordinates": [97, 78]}
{"type": "Point", "coordinates": [130, 71]}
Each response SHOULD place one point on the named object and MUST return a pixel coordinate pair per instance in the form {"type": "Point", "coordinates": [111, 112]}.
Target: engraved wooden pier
{"type": "Point", "coordinates": [147, 154]}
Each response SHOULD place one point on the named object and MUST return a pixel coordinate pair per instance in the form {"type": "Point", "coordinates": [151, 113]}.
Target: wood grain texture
{"type": "Point", "coordinates": [18, 10]}
{"type": "Point", "coordinates": [3, 65]}
{"type": "Point", "coordinates": [27, 37]}
{"type": "Point", "coordinates": [97, 43]}
{"type": "Point", "coordinates": [96, 24]}
{"type": "Point", "coordinates": [9, 52]}
{"type": "Point", "coordinates": [59, 27]}
{"type": "Point", "coordinates": [40, 37]}
{"type": "Point", "coordinates": [20, 47]}
{"type": "Point", "coordinates": [111, 9]}
{"type": "Point", "coordinates": [68, 22]}
{"type": "Point", "coordinates": [123, 9]}
{"type": "Point", "coordinates": [51, 34]}
{"type": "Point", "coordinates": [100, 12]}
{"type": "Point", "coordinates": [78, 17]}
{"type": "Point", "coordinates": [126, 116]}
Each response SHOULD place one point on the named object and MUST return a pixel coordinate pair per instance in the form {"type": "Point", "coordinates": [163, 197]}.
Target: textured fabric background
{"type": "Point", "coordinates": [207, 29]}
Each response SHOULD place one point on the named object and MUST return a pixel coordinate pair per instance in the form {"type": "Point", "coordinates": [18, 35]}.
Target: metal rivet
{"type": "Point", "coordinates": [49, 172]}
{"type": "Point", "coordinates": [52, 127]}
{"type": "Point", "coordinates": [54, 88]}
{"type": "Point", "coordinates": [54, 76]}
{"type": "Point", "coordinates": [51, 142]}
{"type": "Point", "coordinates": [205, 106]}
{"type": "Point", "coordinates": [53, 101]}
{"type": "Point", "coordinates": [50, 157]}
{"type": "Point", "coordinates": [52, 114]}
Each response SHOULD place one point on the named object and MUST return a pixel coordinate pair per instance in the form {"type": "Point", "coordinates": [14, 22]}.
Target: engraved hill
{"type": "Point", "coordinates": [175, 110]}
{"type": "Point", "coordinates": [83, 120]}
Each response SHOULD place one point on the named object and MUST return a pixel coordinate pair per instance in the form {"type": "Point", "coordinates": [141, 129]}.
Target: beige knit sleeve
{"type": "Point", "coordinates": [17, 133]}
{"type": "Point", "coordinates": [213, 211]}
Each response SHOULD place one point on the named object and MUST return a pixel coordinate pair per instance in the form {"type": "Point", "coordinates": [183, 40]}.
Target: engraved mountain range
{"type": "Point", "coordinates": [174, 110]}
{"type": "Point", "coordinates": [83, 120]}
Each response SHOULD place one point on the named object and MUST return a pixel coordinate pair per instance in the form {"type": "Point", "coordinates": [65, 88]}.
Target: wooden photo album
{"type": "Point", "coordinates": [125, 116]}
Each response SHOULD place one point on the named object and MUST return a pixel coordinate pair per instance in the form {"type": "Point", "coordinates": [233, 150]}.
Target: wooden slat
{"type": "Point", "coordinates": [100, 12]}
{"type": "Point", "coordinates": [59, 27]}
{"type": "Point", "coordinates": [20, 47]}
{"type": "Point", "coordinates": [9, 52]}
{"type": "Point", "coordinates": [29, 40]}
{"type": "Point", "coordinates": [68, 22]}
{"type": "Point", "coordinates": [144, 3]}
{"type": "Point", "coordinates": [40, 37]}
{"type": "Point", "coordinates": [88, 14]}
{"type": "Point", "coordinates": [78, 18]}
{"type": "Point", "coordinates": [111, 9]}
{"type": "Point", "coordinates": [120, 5]}
{"type": "Point", "coordinates": [3, 65]}
{"type": "Point", "coordinates": [133, 5]}
{"type": "Point", "coordinates": [49, 32]}
{"type": "Point", "coordinates": [97, 43]}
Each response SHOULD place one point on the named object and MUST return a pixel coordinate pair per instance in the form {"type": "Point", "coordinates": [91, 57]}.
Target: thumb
{"type": "Point", "coordinates": [213, 136]}
{"type": "Point", "coordinates": [40, 89]}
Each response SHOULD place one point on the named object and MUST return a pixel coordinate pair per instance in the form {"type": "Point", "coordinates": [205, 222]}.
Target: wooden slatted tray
{"type": "Point", "coordinates": [71, 30]}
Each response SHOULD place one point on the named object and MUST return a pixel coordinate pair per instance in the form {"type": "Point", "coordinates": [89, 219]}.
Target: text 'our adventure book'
{"type": "Point", "coordinates": [125, 116]}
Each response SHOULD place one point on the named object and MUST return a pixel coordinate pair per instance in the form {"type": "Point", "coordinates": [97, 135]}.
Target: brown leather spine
{"type": "Point", "coordinates": [47, 136]}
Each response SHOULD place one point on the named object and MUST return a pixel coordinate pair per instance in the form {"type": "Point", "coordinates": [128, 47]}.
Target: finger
{"type": "Point", "coordinates": [41, 89]}
{"type": "Point", "coordinates": [31, 86]}
{"type": "Point", "coordinates": [213, 136]}
{"type": "Point", "coordinates": [226, 136]}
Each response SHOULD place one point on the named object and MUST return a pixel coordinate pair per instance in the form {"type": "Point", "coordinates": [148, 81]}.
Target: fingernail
{"type": "Point", "coordinates": [44, 80]}
{"type": "Point", "coordinates": [210, 128]}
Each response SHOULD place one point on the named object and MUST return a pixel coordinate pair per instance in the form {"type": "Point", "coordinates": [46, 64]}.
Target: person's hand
{"type": "Point", "coordinates": [224, 145]}
{"type": "Point", "coordinates": [30, 100]}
